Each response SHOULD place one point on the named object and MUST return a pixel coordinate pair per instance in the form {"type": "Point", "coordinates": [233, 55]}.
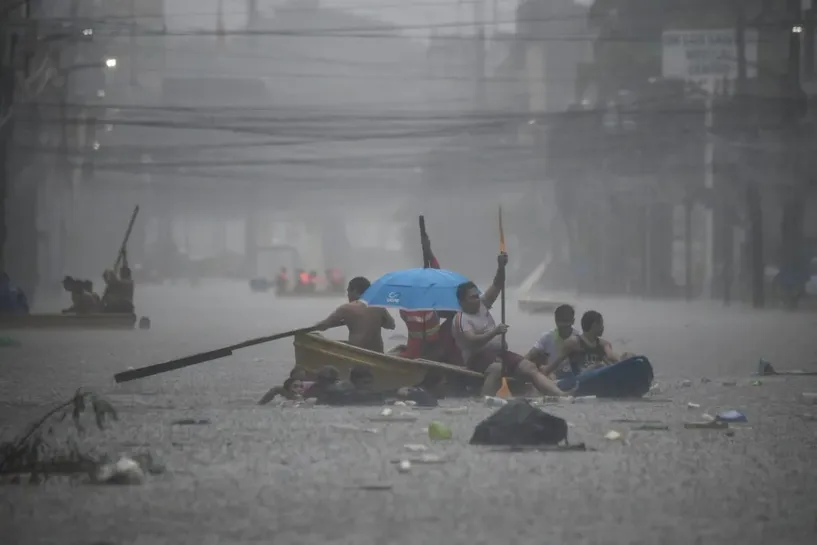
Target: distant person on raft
{"type": "Point", "coordinates": [364, 322]}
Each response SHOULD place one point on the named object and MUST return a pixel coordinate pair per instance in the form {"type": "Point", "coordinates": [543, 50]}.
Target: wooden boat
{"type": "Point", "coordinates": [69, 321]}
{"type": "Point", "coordinates": [538, 306]}
{"type": "Point", "coordinates": [314, 351]}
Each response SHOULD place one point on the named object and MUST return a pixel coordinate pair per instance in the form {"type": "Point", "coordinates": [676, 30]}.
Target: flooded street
{"type": "Point", "coordinates": [298, 475]}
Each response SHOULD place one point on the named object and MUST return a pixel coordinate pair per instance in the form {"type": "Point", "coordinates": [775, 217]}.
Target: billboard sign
{"type": "Point", "coordinates": [706, 56]}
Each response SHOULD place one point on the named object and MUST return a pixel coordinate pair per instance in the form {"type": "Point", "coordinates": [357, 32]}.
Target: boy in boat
{"type": "Point", "coordinates": [82, 301]}
{"type": "Point", "coordinates": [478, 338]}
{"type": "Point", "coordinates": [584, 352]}
{"type": "Point", "coordinates": [118, 294]}
{"type": "Point", "coordinates": [549, 345]}
{"type": "Point", "coordinates": [364, 322]}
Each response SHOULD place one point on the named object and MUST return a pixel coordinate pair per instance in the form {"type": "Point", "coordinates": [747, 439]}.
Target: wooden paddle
{"type": "Point", "coordinates": [202, 357]}
{"type": "Point", "coordinates": [122, 248]}
{"type": "Point", "coordinates": [423, 238]}
{"type": "Point", "coordinates": [504, 391]}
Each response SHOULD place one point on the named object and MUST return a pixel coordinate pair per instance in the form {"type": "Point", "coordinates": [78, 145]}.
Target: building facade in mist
{"type": "Point", "coordinates": [250, 136]}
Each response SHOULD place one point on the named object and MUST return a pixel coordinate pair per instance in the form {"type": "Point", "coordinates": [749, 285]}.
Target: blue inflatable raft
{"type": "Point", "coordinates": [628, 378]}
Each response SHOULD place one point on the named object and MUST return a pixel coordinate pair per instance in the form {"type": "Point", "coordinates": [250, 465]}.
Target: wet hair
{"type": "Point", "coordinates": [87, 285]}
{"type": "Point", "coordinates": [564, 313]}
{"type": "Point", "coordinates": [360, 372]}
{"type": "Point", "coordinates": [589, 319]}
{"type": "Point", "coordinates": [464, 288]}
{"type": "Point", "coordinates": [298, 373]}
{"type": "Point", "coordinates": [289, 382]}
{"type": "Point", "coordinates": [328, 374]}
{"type": "Point", "coordinates": [359, 284]}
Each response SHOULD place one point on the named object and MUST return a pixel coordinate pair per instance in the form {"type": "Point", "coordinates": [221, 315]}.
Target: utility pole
{"type": "Point", "coordinates": [793, 109]}
{"type": "Point", "coordinates": [479, 56]}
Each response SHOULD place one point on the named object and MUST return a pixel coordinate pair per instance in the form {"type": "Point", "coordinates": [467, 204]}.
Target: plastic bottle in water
{"type": "Point", "coordinates": [491, 401]}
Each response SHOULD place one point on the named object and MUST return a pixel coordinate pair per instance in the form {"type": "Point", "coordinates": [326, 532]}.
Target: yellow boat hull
{"type": "Point", "coordinates": [68, 321]}
{"type": "Point", "coordinates": [314, 351]}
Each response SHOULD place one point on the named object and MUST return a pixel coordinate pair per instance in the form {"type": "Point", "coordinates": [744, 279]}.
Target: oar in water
{"type": "Point", "coordinates": [202, 357]}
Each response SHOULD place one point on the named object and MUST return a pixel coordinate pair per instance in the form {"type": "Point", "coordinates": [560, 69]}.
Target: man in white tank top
{"type": "Point", "coordinates": [478, 338]}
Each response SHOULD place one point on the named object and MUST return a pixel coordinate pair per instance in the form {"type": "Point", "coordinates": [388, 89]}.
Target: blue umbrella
{"type": "Point", "coordinates": [416, 289]}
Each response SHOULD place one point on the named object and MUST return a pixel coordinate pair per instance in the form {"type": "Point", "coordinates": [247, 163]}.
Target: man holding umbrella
{"type": "Point", "coordinates": [480, 341]}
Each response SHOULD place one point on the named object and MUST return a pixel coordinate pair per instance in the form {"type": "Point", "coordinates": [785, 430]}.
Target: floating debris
{"type": "Point", "coordinates": [711, 425]}
{"type": "Point", "coordinates": [410, 418]}
{"type": "Point", "coordinates": [124, 471]}
{"type": "Point", "coordinates": [190, 422]}
{"type": "Point", "coordinates": [612, 435]}
{"type": "Point", "coordinates": [686, 383]}
{"type": "Point", "coordinates": [651, 427]}
{"type": "Point", "coordinates": [437, 431]}
{"type": "Point", "coordinates": [415, 448]}
{"type": "Point", "coordinates": [386, 412]}
{"type": "Point", "coordinates": [349, 427]}
{"type": "Point", "coordinates": [376, 486]}
{"type": "Point", "coordinates": [456, 410]}
{"type": "Point", "coordinates": [729, 383]}
{"type": "Point", "coordinates": [404, 466]}
{"type": "Point", "coordinates": [731, 416]}
{"type": "Point", "coordinates": [691, 405]}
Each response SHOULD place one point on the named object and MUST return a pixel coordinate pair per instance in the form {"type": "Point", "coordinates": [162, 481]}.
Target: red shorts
{"type": "Point", "coordinates": [510, 362]}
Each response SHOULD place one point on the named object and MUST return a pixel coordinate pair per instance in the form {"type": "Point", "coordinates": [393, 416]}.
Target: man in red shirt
{"type": "Point", "coordinates": [426, 335]}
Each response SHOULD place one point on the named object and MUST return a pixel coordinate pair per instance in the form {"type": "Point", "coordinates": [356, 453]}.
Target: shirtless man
{"type": "Point", "coordinates": [364, 322]}
{"type": "Point", "coordinates": [549, 345]}
{"type": "Point", "coordinates": [584, 352]}
{"type": "Point", "coordinates": [478, 338]}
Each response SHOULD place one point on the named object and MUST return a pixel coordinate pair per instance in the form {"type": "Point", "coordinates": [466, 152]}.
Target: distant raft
{"type": "Point", "coordinates": [73, 321]}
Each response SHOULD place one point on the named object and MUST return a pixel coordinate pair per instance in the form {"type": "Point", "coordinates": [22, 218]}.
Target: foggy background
{"type": "Point", "coordinates": [256, 134]}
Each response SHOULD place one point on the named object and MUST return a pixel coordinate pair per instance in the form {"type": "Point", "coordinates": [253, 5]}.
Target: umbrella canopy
{"type": "Point", "coordinates": [416, 289]}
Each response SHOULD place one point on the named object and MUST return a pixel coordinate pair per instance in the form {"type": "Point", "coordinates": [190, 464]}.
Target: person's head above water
{"type": "Point", "coordinates": [565, 318]}
{"type": "Point", "coordinates": [298, 373]}
{"type": "Point", "coordinates": [468, 297]}
{"type": "Point", "coordinates": [87, 285]}
{"type": "Point", "coordinates": [327, 375]}
{"type": "Point", "coordinates": [361, 376]}
{"type": "Point", "coordinates": [593, 323]}
{"type": "Point", "coordinates": [357, 287]}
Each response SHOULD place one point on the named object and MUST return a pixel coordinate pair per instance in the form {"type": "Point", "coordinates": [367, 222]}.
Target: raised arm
{"type": "Point", "coordinates": [492, 293]}
{"type": "Point", "coordinates": [333, 320]}
{"type": "Point", "coordinates": [434, 264]}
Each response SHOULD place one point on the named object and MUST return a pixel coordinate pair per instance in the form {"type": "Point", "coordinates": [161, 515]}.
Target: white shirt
{"type": "Point", "coordinates": [480, 322]}
{"type": "Point", "coordinates": [551, 343]}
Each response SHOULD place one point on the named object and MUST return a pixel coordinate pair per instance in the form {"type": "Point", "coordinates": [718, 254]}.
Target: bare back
{"type": "Point", "coordinates": [364, 324]}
